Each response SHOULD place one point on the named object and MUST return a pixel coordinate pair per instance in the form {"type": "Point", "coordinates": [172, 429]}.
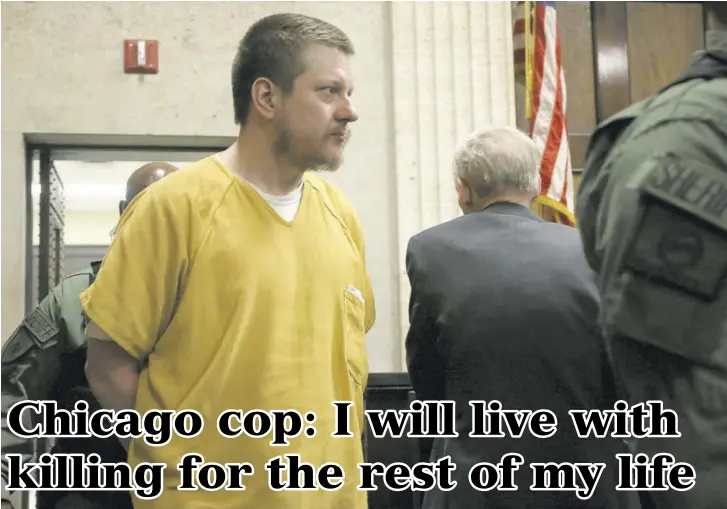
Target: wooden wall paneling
{"type": "Point", "coordinates": [610, 47]}
{"type": "Point", "coordinates": [663, 37]}
{"type": "Point", "coordinates": [578, 144]}
{"type": "Point", "coordinates": [576, 43]}
{"type": "Point", "coordinates": [576, 47]}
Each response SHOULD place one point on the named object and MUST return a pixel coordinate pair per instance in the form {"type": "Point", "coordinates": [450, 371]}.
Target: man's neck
{"type": "Point", "coordinates": [252, 159]}
{"type": "Point", "coordinates": [525, 201]}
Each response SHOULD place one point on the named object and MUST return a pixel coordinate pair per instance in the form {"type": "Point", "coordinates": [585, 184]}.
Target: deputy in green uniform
{"type": "Point", "coordinates": [44, 360]}
{"type": "Point", "coordinates": [651, 210]}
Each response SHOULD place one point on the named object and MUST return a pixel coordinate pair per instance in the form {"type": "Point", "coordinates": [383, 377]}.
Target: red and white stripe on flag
{"type": "Point", "coordinates": [548, 125]}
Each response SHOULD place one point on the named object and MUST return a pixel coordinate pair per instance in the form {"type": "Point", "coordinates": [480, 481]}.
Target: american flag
{"type": "Point", "coordinates": [538, 67]}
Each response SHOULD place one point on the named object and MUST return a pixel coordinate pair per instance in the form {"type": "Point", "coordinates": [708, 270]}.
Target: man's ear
{"type": "Point", "coordinates": [265, 97]}
{"type": "Point", "coordinates": [465, 192]}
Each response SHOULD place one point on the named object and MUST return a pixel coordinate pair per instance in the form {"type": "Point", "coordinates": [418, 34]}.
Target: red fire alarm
{"type": "Point", "coordinates": [141, 56]}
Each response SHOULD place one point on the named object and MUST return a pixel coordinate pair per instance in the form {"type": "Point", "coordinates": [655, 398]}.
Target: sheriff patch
{"type": "Point", "coordinates": [681, 239]}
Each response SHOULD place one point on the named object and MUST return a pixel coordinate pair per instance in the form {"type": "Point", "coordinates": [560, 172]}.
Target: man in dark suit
{"type": "Point", "coordinates": [504, 307]}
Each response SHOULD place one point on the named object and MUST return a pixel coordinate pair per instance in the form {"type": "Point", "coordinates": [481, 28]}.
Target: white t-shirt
{"type": "Point", "coordinates": [286, 205]}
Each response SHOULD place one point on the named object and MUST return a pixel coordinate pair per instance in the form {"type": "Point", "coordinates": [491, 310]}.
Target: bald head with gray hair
{"type": "Point", "coordinates": [495, 164]}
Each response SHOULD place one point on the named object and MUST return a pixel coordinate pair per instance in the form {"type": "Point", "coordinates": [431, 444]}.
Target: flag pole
{"type": "Point", "coordinates": [529, 70]}
{"type": "Point", "coordinates": [528, 63]}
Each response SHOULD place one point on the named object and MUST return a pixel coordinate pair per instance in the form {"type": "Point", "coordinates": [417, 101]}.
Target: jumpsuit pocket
{"type": "Point", "coordinates": [354, 334]}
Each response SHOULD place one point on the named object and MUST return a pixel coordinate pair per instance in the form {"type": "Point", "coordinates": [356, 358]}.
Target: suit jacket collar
{"type": "Point", "coordinates": [507, 208]}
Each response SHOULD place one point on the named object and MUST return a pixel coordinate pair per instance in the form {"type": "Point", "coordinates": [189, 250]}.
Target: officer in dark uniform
{"type": "Point", "coordinates": [652, 212]}
{"type": "Point", "coordinates": [44, 359]}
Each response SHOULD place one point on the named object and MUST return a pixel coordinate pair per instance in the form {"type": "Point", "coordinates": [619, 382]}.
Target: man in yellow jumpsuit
{"type": "Point", "coordinates": [240, 282]}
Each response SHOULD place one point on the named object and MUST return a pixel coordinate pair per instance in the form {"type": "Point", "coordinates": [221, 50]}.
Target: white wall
{"type": "Point", "coordinates": [425, 74]}
{"type": "Point", "coordinates": [92, 192]}
{"type": "Point", "coordinates": [84, 228]}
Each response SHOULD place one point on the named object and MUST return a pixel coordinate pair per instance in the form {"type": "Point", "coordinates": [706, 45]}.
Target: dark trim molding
{"type": "Point", "coordinates": [611, 58]}
{"type": "Point", "coordinates": [128, 141]}
{"type": "Point", "coordinates": [578, 143]}
{"type": "Point", "coordinates": [29, 229]}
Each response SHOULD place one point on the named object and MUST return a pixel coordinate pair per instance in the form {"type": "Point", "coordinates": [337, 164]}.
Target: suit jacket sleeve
{"type": "Point", "coordinates": [424, 362]}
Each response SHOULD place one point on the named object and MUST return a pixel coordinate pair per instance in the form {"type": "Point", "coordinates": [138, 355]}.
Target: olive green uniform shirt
{"type": "Point", "coordinates": [48, 346]}
{"type": "Point", "coordinates": [652, 214]}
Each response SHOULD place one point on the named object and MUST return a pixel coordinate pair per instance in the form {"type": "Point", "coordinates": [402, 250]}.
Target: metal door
{"type": "Point", "coordinates": [52, 221]}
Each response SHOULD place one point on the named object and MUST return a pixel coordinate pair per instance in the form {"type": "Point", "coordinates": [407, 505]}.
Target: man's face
{"type": "Point", "coordinates": [313, 126]}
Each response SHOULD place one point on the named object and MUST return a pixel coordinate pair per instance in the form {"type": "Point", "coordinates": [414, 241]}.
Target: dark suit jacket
{"type": "Point", "coordinates": [504, 307]}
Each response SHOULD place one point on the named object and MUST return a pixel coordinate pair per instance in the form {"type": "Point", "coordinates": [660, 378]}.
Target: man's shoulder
{"type": "Point", "coordinates": [439, 233]}
{"type": "Point", "coordinates": [62, 305]}
{"type": "Point", "coordinates": [65, 296]}
{"type": "Point", "coordinates": [196, 187]}
{"type": "Point", "coordinates": [562, 238]}
{"type": "Point", "coordinates": [432, 233]}
{"type": "Point", "coordinates": [334, 198]}
{"type": "Point", "coordinates": [687, 103]}
{"type": "Point", "coordinates": [683, 120]}
{"type": "Point", "coordinates": [467, 227]}
{"type": "Point", "coordinates": [691, 101]}
{"type": "Point", "coordinates": [205, 174]}
{"type": "Point", "coordinates": [327, 189]}
{"type": "Point", "coordinates": [74, 283]}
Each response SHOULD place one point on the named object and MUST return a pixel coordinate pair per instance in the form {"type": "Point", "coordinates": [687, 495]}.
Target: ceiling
{"type": "Point", "coordinates": [91, 186]}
